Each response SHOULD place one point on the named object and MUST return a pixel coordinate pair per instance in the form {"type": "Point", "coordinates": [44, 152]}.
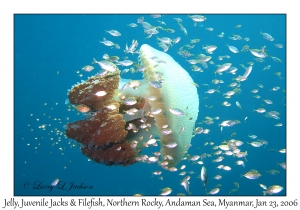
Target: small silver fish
{"type": "Point", "coordinates": [203, 176]}
{"type": "Point", "coordinates": [106, 65]}
{"type": "Point", "coordinates": [101, 93]}
{"type": "Point", "coordinates": [267, 36]}
{"type": "Point", "coordinates": [252, 174]}
{"type": "Point", "coordinates": [238, 104]}
{"type": "Point", "coordinates": [182, 129]}
{"type": "Point", "coordinates": [263, 186]}
{"type": "Point", "coordinates": [125, 63]}
{"type": "Point", "coordinates": [156, 111]}
{"type": "Point", "coordinates": [88, 68]}
{"type": "Point", "coordinates": [151, 141]}
{"type": "Point", "coordinates": [130, 101]}
{"type": "Point", "coordinates": [114, 33]}
{"type": "Point", "coordinates": [233, 49]}
{"type": "Point", "coordinates": [55, 182]}
{"type": "Point", "coordinates": [155, 84]}
{"type": "Point", "coordinates": [213, 191]}
{"type": "Point", "coordinates": [273, 190]}
{"type": "Point", "coordinates": [166, 131]}
{"type": "Point", "coordinates": [185, 184]}
{"type": "Point", "coordinates": [171, 145]}
{"type": "Point", "coordinates": [133, 25]}
{"type": "Point", "coordinates": [107, 42]}
{"type": "Point", "coordinates": [166, 191]}
{"type": "Point", "coordinates": [177, 112]}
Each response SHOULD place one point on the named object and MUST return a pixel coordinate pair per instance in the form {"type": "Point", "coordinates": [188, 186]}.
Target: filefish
{"type": "Point", "coordinates": [214, 191]}
{"type": "Point", "coordinates": [252, 174]}
{"type": "Point", "coordinates": [273, 190]}
{"type": "Point", "coordinates": [166, 191]}
{"type": "Point", "coordinates": [273, 172]}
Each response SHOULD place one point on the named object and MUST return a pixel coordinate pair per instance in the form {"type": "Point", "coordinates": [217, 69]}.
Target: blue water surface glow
{"type": "Point", "coordinates": [50, 49]}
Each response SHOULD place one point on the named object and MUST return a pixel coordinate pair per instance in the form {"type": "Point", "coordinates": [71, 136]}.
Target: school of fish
{"type": "Point", "coordinates": [221, 149]}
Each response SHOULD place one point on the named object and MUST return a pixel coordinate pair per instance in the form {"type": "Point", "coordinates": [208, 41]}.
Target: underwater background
{"type": "Point", "coordinates": [50, 49]}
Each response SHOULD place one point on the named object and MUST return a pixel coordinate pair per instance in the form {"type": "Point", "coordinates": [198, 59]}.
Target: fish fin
{"type": "Point", "coordinates": [94, 61]}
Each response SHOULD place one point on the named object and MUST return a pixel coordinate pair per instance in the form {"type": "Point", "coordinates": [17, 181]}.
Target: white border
{"type": "Point", "coordinates": [8, 8]}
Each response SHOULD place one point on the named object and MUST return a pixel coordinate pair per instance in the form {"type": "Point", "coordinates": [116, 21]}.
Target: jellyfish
{"type": "Point", "coordinates": [106, 135]}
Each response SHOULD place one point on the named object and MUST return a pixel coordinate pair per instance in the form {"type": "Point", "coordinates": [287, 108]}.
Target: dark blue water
{"type": "Point", "coordinates": [50, 49]}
